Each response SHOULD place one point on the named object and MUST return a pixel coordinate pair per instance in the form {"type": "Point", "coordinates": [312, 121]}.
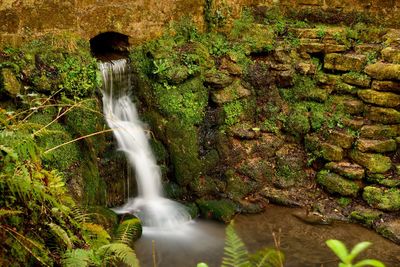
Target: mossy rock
{"type": "Point", "coordinates": [297, 122]}
{"type": "Point", "coordinates": [388, 179]}
{"type": "Point", "coordinates": [240, 110]}
{"type": "Point", "coordinates": [104, 217]}
{"type": "Point", "coordinates": [383, 71]}
{"type": "Point", "coordinates": [193, 210]}
{"type": "Point", "coordinates": [379, 146]}
{"type": "Point", "coordinates": [290, 165]}
{"type": "Point", "coordinates": [238, 186]}
{"type": "Point", "coordinates": [391, 55]}
{"type": "Point", "coordinates": [347, 169]}
{"type": "Point", "coordinates": [384, 99]}
{"type": "Point", "coordinates": [390, 229]}
{"type": "Point", "coordinates": [357, 79]}
{"type": "Point", "coordinates": [218, 79]}
{"type": "Point", "coordinates": [335, 183]}
{"type": "Point", "coordinates": [173, 190]}
{"type": "Point", "coordinates": [351, 105]}
{"type": "Point", "coordinates": [344, 62]}
{"type": "Point", "coordinates": [365, 216]}
{"type": "Point", "coordinates": [379, 131]}
{"type": "Point", "coordinates": [9, 83]}
{"type": "Point", "coordinates": [221, 210]}
{"type": "Point", "coordinates": [184, 151]}
{"type": "Point", "coordinates": [203, 186]}
{"type": "Point", "coordinates": [230, 93]}
{"type": "Point", "coordinates": [94, 186]}
{"type": "Point", "coordinates": [375, 163]}
{"type": "Point", "coordinates": [342, 139]}
{"type": "Point", "coordinates": [323, 149]}
{"type": "Point", "coordinates": [381, 198]}
{"type": "Point", "coordinates": [391, 86]}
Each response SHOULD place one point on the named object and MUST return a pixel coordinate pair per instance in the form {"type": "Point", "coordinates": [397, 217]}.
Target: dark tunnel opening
{"type": "Point", "coordinates": [109, 46]}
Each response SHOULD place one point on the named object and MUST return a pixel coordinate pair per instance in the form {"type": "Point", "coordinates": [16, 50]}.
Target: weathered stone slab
{"type": "Point", "coordinates": [391, 86]}
{"type": "Point", "coordinates": [335, 183]}
{"type": "Point", "coordinates": [218, 79]}
{"type": "Point", "coordinates": [384, 99]}
{"type": "Point", "coordinates": [383, 71]}
{"type": "Point", "coordinates": [367, 48]}
{"type": "Point", "coordinates": [327, 151]}
{"type": "Point", "coordinates": [344, 88]}
{"type": "Point", "coordinates": [387, 179]}
{"type": "Point", "coordinates": [342, 139]}
{"type": "Point", "coordinates": [344, 62]}
{"type": "Point", "coordinates": [350, 170]}
{"type": "Point", "coordinates": [352, 105]}
{"type": "Point", "coordinates": [357, 79]}
{"type": "Point", "coordinates": [375, 163]}
{"type": "Point", "coordinates": [379, 131]}
{"type": "Point", "coordinates": [390, 229]}
{"type": "Point", "coordinates": [391, 55]}
{"type": "Point", "coordinates": [383, 115]}
{"type": "Point", "coordinates": [380, 146]}
{"type": "Point", "coordinates": [354, 124]}
{"type": "Point", "coordinates": [383, 199]}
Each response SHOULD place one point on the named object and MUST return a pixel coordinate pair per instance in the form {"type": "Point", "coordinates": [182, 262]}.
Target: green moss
{"type": "Point", "coordinates": [297, 122]}
{"type": "Point", "coordinates": [184, 151]}
{"type": "Point", "coordinates": [94, 186]}
{"type": "Point", "coordinates": [220, 210]}
{"type": "Point", "coordinates": [233, 112]}
{"type": "Point", "coordinates": [365, 216]}
{"type": "Point", "coordinates": [344, 201]}
{"type": "Point", "coordinates": [383, 199]}
{"type": "Point", "coordinates": [186, 101]}
{"type": "Point", "coordinates": [334, 183]}
{"type": "Point", "coordinates": [238, 186]}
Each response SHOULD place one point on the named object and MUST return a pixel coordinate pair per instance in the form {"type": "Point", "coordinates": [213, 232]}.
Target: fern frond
{"type": "Point", "coordinates": [77, 258]}
{"type": "Point", "coordinates": [61, 234]}
{"type": "Point", "coordinates": [4, 212]}
{"type": "Point", "coordinates": [236, 254]}
{"type": "Point", "coordinates": [79, 215]}
{"type": "Point", "coordinates": [267, 257]}
{"type": "Point", "coordinates": [95, 235]}
{"type": "Point", "coordinates": [121, 252]}
{"type": "Point", "coordinates": [128, 231]}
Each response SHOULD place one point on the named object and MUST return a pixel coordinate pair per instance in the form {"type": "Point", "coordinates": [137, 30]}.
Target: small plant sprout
{"type": "Point", "coordinates": [347, 258]}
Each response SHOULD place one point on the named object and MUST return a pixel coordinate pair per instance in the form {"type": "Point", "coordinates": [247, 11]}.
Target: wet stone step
{"type": "Point", "coordinates": [350, 170]}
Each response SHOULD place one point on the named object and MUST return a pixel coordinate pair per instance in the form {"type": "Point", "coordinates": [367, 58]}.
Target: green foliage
{"type": "Point", "coordinates": [216, 16]}
{"type": "Point", "coordinates": [321, 32]}
{"type": "Point", "coordinates": [236, 254]}
{"type": "Point", "coordinates": [128, 231]}
{"type": "Point", "coordinates": [347, 258]}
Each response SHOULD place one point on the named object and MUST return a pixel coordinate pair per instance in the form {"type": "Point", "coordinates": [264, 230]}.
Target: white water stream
{"type": "Point", "coordinates": [155, 211]}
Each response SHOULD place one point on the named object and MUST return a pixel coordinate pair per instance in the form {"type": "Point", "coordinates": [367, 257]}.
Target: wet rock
{"type": "Point", "coordinates": [354, 123]}
{"type": "Point", "coordinates": [344, 62]}
{"type": "Point", "coordinates": [383, 115]}
{"type": "Point", "coordinates": [10, 83]}
{"type": "Point", "coordinates": [380, 146]}
{"type": "Point", "coordinates": [250, 207]}
{"type": "Point", "coordinates": [388, 179]}
{"type": "Point", "coordinates": [379, 131]}
{"type": "Point", "coordinates": [327, 151]}
{"type": "Point", "coordinates": [313, 218]}
{"type": "Point", "coordinates": [390, 230]}
{"type": "Point", "coordinates": [221, 210]}
{"type": "Point", "coordinates": [203, 185]}
{"type": "Point", "coordinates": [381, 198]}
{"type": "Point", "coordinates": [316, 94]}
{"type": "Point", "coordinates": [335, 183]}
{"type": "Point", "coordinates": [352, 105]}
{"type": "Point", "coordinates": [383, 71]}
{"type": "Point", "coordinates": [391, 55]}
{"type": "Point", "coordinates": [257, 169]}
{"type": "Point", "coordinates": [284, 79]}
{"type": "Point", "coordinates": [341, 138]}
{"type": "Point", "coordinates": [290, 164]}
{"type": "Point", "coordinates": [350, 170]}
{"type": "Point", "coordinates": [192, 209]}
{"type": "Point", "coordinates": [384, 99]}
{"type": "Point", "coordinates": [367, 48]}
{"type": "Point", "coordinates": [218, 80]}
{"type": "Point", "coordinates": [328, 79]}
{"type": "Point", "coordinates": [390, 86]}
{"type": "Point", "coordinates": [243, 131]}
{"type": "Point", "coordinates": [365, 216]}
{"type": "Point", "coordinates": [375, 163]}
{"type": "Point", "coordinates": [230, 93]}
{"type": "Point", "coordinates": [344, 88]}
{"type": "Point", "coordinates": [173, 190]}
{"type": "Point", "coordinates": [306, 68]}
{"type": "Point", "coordinates": [358, 79]}
{"type": "Point", "coordinates": [103, 216]}
{"type": "Point", "coordinates": [268, 145]}
{"type": "Point", "coordinates": [280, 197]}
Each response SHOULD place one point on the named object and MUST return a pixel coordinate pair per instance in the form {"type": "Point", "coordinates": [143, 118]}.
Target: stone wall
{"type": "Point", "coordinates": [140, 20]}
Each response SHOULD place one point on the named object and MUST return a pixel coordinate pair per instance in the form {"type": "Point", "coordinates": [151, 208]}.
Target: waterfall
{"type": "Point", "coordinates": [121, 115]}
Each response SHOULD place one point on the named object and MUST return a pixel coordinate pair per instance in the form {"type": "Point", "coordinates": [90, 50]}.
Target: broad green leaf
{"type": "Point", "coordinates": [338, 248]}
{"type": "Point", "coordinates": [202, 264]}
{"type": "Point", "coordinates": [358, 249]}
{"type": "Point", "coordinates": [369, 262]}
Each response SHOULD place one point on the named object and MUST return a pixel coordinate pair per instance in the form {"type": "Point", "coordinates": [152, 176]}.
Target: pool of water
{"type": "Point", "coordinates": [303, 244]}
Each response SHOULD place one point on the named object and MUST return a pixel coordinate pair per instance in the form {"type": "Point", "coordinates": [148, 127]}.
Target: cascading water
{"type": "Point", "coordinates": [150, 206]}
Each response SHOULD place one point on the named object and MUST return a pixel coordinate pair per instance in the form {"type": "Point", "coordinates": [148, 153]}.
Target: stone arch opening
{"type": "Point", "coordinates": [109, 45]}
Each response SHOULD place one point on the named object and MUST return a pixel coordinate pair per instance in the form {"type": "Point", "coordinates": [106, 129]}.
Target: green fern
{"type": "Point", "coordinates": [77, 258]}
{"type": "Point", "coordinates": [118, 252]}
{"type": "Point", "coordinates": [128, 231]}
{"type": "Point", "coordinates": [267, 257]}
{"type": "Point", "coordinates": [61, 234]}
{"type": "Point", "coordinates": [236, 254]}
{"type": "Point", "coordinates": [4, 212]}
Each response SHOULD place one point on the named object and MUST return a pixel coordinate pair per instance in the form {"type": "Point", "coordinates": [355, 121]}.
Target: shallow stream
{"type": "Point", "coordinates": [303, 244]}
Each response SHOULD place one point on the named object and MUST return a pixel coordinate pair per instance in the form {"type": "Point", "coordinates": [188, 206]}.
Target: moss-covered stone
{"type": "Point", "coordinates": [384, 99]}
{"type": "Point", "coordinates": [388, 179]}
{"type": "Point", "coordinates": [365, 216]}
{"type": "Point", "coordinates": [390, 229]}
{"type": "Point", "coordinates": [230, 93]}
{"type": "Point", "coordinates": [344, 62]}
{"type": "Point", "coordinates": [103, 216]}
{"type": "Point", "coordinates": [375, 163]}
{"type": "Point", "coordinates": [193, 209]}
{"type": "Point", "coordinates": [218, 79]}
{"type": "Point", "coordinates": [383, 115]}
{"type": "Point", "coordinates": [184, 151]}
{"type": "Point", "coordinates": [379, 131]}
{"type": "Point", "coordinates": [391, 55]}
{"type": "Point", "coordinates": [391, 86]}
{"type": "Point", "coordinates": [383, 71]}
{"type": "Point", "coordinates": [380, 146]}
{"type": "Point", "coordinates": [335, 183]}
{"type": "Point", "coordinates": [203, 186]}
{"type": "Point", "coordinates": [383, 199]}
{"type": "Point", "coordinates": [351, 105]}
{"type": "Point", "coordinates": [347, 169]}
{"type": "Point", "coordinates": [9, 83]}
{"type": "Point", "coordinates": [341, 138]}
{"type": "Point", "coordinates": [344, 88]}
{"type": "Point", "coordinates": [290, 164]}
{"type": "Point", "coordinates": [173, 190]}
{"type": "Point", "coordinates": [357, 79]}
{"type": "Point", "coordinates": [220, 210]}
{"type": "Point", "coordinates": [238, 186]}
{"type": "Point", "coordinates": [325, 150]}
{"type": "Point", "coordinates": [297, 122]}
